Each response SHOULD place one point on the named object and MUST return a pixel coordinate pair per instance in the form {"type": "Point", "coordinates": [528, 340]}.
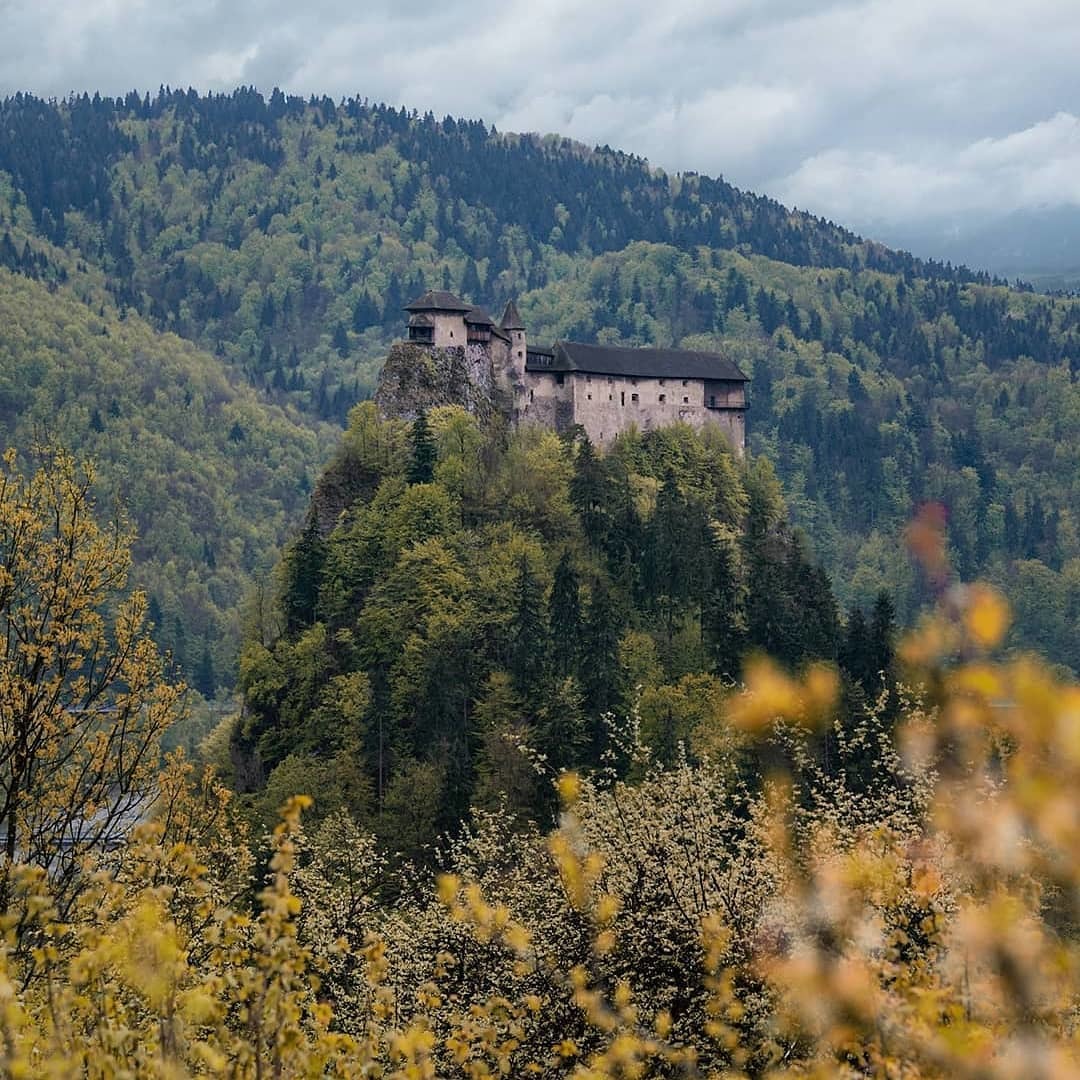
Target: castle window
{"type": "Point", "coordinates": [622, 396]}
{"type": "Point", "coordinates": [611, 397]}
{"type": "Point", "coordinates": [661, 382]}
{"type": "Point", "coordinates": [686, 401]}
{"type": "Point", "coordinates": [530, 395]}
{"type": "Point", "coordinates": [589, 396]}
{"type": "Point", "coordinates": [520, 354]}
{"type": "Point", "coordinates": [685, 382]}
{"type": "Point", "coordinates": [559, 378]}
{"type": "Point", "coordinates": [633, 397]}
{"type": "Point", "coordinates": [663, 398]}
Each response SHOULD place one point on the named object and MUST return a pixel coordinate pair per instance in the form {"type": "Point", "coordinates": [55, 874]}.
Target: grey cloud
{"type": "Point", "coordinates": [867, 110]}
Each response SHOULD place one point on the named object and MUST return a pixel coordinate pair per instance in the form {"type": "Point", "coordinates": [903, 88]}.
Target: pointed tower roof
{"type": "Point", "coordinates": [511, 319]}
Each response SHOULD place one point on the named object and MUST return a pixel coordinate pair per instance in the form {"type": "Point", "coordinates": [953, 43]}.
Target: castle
{"type": "Point", "coordinates": [605, 389]}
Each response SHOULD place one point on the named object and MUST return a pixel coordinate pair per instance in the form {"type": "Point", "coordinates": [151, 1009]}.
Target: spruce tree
{"type": "Point", "coordinates": [723, 620]}
{"type": "Point", "coordinates": [600, 663]}
{"type": "Point", "coordinates": [855, 652]}
{"type": "Point", "coordinates": [424, 453]}
{"type": "Point", "coordinates": [205, 680]}
{"type": "Point", "coordinates": [561, 731]}
{"type": "Point", "coordinates": [564, 618]}
{"type": "Point", "coordinates": [882, 636]}
{"type": "Point", "coordinates": [303, 577]}
{"type": "Point", "coordinates": [528, 633]}
{"type": "Point", "coordinates": [587, 493]}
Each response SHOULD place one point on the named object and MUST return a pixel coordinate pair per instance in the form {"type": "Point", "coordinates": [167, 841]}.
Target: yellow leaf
{"type": "Point", "coordinates": [987, 616]}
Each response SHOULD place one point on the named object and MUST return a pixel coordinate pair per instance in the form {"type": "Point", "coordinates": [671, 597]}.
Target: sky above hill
{"type": "Point", "coordinates": [877, 113]}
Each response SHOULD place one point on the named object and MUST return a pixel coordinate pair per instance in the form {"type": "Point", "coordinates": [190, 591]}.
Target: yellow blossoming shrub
{"type": "Point", "coordinates": [900, 898]}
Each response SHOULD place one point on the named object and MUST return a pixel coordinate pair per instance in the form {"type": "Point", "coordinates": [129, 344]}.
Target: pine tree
{"type": "Point", "coordinates": [564, 618]}
{"type": "Point", "coordinates": [723, 621]}
{"type": "Point", "coordinates": [424, 453]}
{"type": "Point", "coordinates": [205, 680]}
{"type": "Point", "coordinates": [856, 651]}
{"type": "Point", "coordinates": [303, 576]}
{"type": "Point", "coordinates": [599, 671]}
{"type": "Point", "coordinates": [883, 636]}
{"type": "Point", "coordinates": [587, 493]}
{"type": "Point", "coordinates": [528, 633]}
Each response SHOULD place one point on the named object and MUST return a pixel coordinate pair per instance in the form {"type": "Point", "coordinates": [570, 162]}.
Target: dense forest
{"type": "Point", "coordinates": [486, 591]}
{"type": "Point", "coordinates": [280, 237]}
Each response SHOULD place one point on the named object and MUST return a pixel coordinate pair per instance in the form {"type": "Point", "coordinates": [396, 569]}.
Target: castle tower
{"type": "Point", "coordinates": [438, 318]}
{"type": "Point", "coordinates": [513, 325]}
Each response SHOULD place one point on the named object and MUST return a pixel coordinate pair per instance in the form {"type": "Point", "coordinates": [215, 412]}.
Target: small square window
{"type": "Point", "coordinates": [685, 382]}
{"type": "Point", "coordinates": [663, 398]}
{"type": "Point", "coordinates": [686, 401]}
{"type": "Point", "coordinates": [589, 396]}
{"type": "Point", "coordinates": [633, 397]}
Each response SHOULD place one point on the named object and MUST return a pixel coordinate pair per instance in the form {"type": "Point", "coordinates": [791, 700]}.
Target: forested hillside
{"type": "Point", "coordinates": [283, 235]}
{"type": "Point", "coordinates": [212, 477]}
{"type": "Point", "coordinates": [487, 590]}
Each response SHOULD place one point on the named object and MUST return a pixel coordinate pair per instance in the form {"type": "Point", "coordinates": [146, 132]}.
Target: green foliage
{"type": "Point", "coordinates": [209, 512]}
{"type": "Point", "coordinates": [282, 239]}
{"type": "Point", "coordinates": [498, 639]}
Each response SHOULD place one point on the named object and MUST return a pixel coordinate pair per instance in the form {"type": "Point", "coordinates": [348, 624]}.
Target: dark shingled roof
{"type": "Point", "coordinates": [438, 300]}
{"type": "Point", "coordinates": [478, 317]}
{"type": "Point", "coordinates": [638, 363]}
{"type": "Point", "coordinates": [511, 319]}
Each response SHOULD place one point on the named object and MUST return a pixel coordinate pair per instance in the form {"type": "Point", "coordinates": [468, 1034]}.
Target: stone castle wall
{"type": "Point", "coordinates": [490, 376]}
{"type": "Point", "coordinates": [607, 405]}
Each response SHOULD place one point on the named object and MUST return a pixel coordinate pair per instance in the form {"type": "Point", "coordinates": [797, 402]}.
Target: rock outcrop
{"type": "Point", "coordinates": [416, 378]}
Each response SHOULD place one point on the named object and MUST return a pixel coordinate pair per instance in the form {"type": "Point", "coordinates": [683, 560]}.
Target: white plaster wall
{"type": "Point", "coordinates": [604, 405]}
{"type": "Point", "coordinates": [450, 331]}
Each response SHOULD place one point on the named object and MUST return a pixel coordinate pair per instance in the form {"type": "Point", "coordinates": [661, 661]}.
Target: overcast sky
{"type": "Point", "coordinates": [870, 111]}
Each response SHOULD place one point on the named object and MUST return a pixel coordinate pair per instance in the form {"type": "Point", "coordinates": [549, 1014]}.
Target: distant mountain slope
{"type": "Point", "coordinates": [211, 475]}
{"type": "Point", "coordinates": [282, 236]}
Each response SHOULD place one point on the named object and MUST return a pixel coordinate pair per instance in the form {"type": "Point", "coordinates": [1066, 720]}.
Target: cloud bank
{"type": "Point", "coordinates": [868, 111]}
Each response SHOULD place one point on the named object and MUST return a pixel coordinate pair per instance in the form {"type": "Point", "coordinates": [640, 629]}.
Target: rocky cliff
{"type": "Point", "coordinates": [417, 377]}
